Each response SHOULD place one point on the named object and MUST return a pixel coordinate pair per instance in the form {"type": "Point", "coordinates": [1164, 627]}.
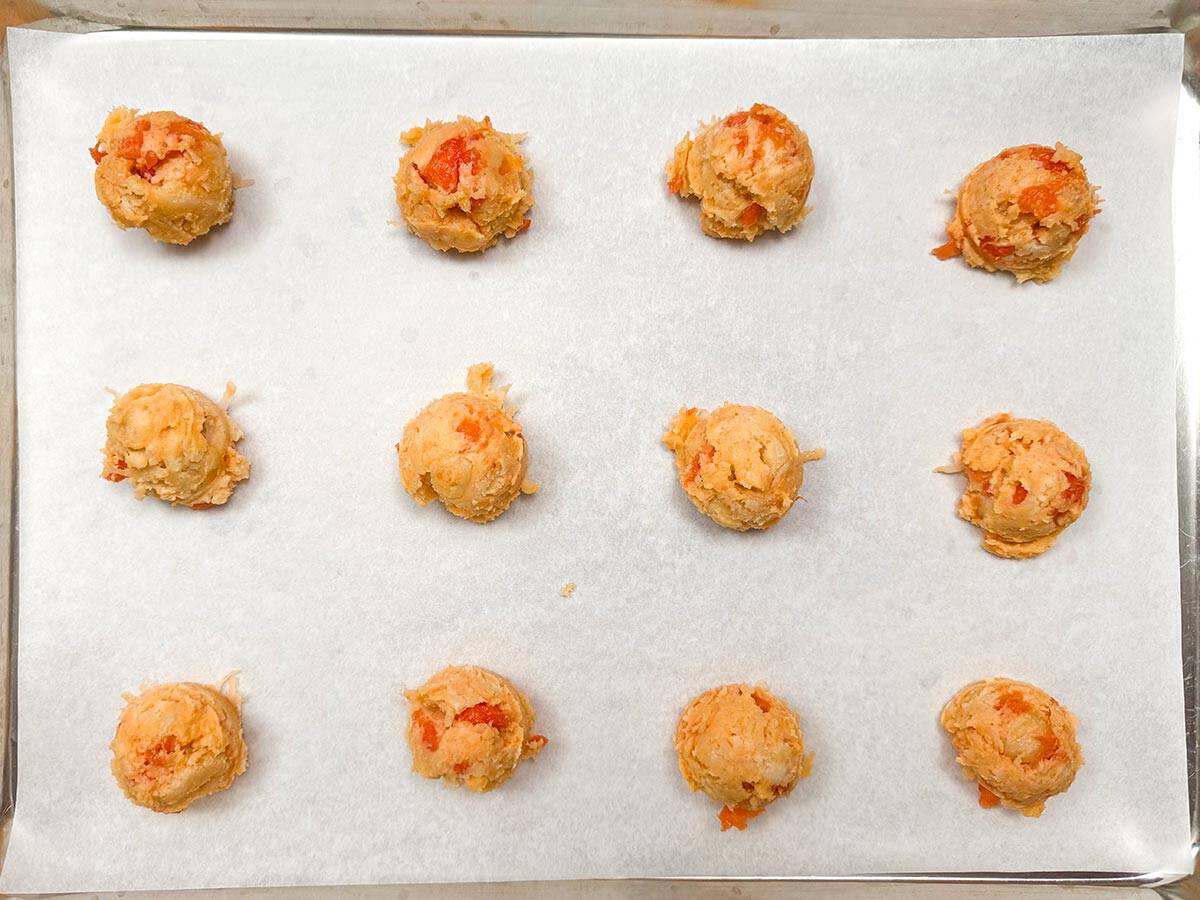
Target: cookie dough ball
{"type": "Point", "coordinates": [470, 727]}
{"type": "Point", "coordinates": [175, 443]}
{"type": "Point", "coordinates": [742, 746]}
{"type": "Point", "coordinates": [164, 173]}
{"type": "Point", "coordinates": [1015, 741]}
{"type": "Point", "coordinates": [750, 170]}
{"type": "Point", "coordinates": [463, 184]}
{"type": "Point", "coordinates": [739, 465]}
{"type": "Point", "coordinates": [1022, 212]}
{"type": "Point", "coordinates": [176, 743]}
{"type": "Point", "coordinates": [1026, 482]}
{"type": "Point", "coordinates": [467, 451]}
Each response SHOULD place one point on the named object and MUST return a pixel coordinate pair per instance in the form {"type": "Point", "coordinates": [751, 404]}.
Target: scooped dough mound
{"type": "Point", "coordinates": [1026, 482]}
{"type": "Point", "coordinates": [1023, 212]}
{"type": "Point", "coordinates": [1015, 741]}
{"type": "Point", "coordinates": [176, 743]}
{"type": "Point", "coordinates": [750, 170]}
{"type": "Point", "coordinates": [164, 173]}
{"type": "Point", "coordinates": [742, 746]}
{"type": "Point", "coordinates": [463, 185]}
{"type": "Point", "coordinates": [467, 451]}
{"type": "Point", "coordinates": [175, 443]}
{"type": "Point", "coordinates": [470, 727]}
{"type": "Point", "coordinates": [739, 465]}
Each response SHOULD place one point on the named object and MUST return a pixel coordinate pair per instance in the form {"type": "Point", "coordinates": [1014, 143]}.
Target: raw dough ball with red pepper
{"type": "Point", "coordinates": [1026, 482]}
{"type": "Point", "coordinates": [164, 173]}
{"type": "Point", "coordinates": [175, 443]}
{"type": "Point", "coordinates": [743, 747]}
{"type": "Point", "coordinates": [1022, 212]}
{"type": "Point", "coordinates": [1015, 741]}
{"type": "Point", "coordinates": [739, 465]}
{"type": "Point", "coordinates": [463, 185]}
{"type": "Point", "coordinates": [467, 451]}
{"type": "Point", "coordinates": [470, 727]}
{"type": "Point", "coordinates": [176, 743]}
{"type": "Point", "coordinates": [751, 171]}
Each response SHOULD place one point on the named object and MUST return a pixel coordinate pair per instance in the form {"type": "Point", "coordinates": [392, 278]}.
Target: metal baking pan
{"type": "Point", "coordinates": [766, 19]}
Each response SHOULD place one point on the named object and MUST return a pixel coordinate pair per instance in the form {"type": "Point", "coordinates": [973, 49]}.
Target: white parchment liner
{"type": "Point", "coordinates": [866, 608]}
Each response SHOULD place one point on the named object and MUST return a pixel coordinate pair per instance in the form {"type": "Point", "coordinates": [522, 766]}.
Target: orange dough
{"type": "Point", "coordinates": [163, 173]}
{"type": "Point", "coordinates": [1022, 212]}
{"type": "Point", "coordinates": [750, 170]}
{"type": "Point", "coordinates": [1027, 481]}
{"type": "Point", "coordinates": [1014, 740]}
{"type": "Point", "coordinates": [463, 185]}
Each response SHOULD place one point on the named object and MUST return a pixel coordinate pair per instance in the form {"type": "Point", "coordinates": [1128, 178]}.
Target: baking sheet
{"type": "Point", "coordinates": [867, 607]}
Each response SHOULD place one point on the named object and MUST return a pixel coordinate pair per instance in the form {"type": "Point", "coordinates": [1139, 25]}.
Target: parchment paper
{"type": "Point", "coordinates": [866, 608]}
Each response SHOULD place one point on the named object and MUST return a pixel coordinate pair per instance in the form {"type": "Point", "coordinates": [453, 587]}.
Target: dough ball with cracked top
{"type": "Point", "coordinates": [739, 465]}
{"type": "Point", "coordinates": [174, 443]}
{"type": "Point", "coordinates": [1023, 212]}
{"type": "Point", "coordinates": [467, 451]}
{"type": "Point", "coordinates": [751, 171]}
{"type": "Point", "coordinates": [176, 743]}
{"type": "Point", "coordinates": [1015, 741]}
{"type": "Point", "coordinates": [742, 746]}
{"type": "Point", "coordinates": [164, 173]}
{"type": "Point", "coordinates": [463, 185]}
{"type": "Point", "coordinates": [1027, 481]}
{"type": "Point", "coordinates": [471, 728]}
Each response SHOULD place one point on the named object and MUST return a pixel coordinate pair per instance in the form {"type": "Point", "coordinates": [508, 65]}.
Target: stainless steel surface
{"type": "Point", "coordinates": [895, 18]}
{"type": "Point", "coordinates": [8, 471]}
{"type": "Point", "coordinates": [1187, 293]}
{"type": "Point", "coordinates": [656, 890]}
{"type": "Point", "coordinates": [729, 18]}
